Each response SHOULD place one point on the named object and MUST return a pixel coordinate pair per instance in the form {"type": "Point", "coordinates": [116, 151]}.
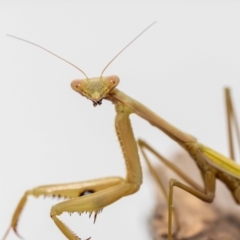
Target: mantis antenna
{"type": "Point", "coordinates": [75, 65]}
{"type": "Point", "coordinates": [50, 53]}
{"type": "Point", "coordinates": [128, 46]}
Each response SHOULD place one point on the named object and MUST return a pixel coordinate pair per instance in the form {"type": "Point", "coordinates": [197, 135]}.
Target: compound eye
{"type": "Point", "coordinates": [113, 81]}
{"type": "Point", "coordinates": [77, 85]}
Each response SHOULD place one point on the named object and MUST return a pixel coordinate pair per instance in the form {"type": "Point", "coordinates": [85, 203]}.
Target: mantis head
{"type": "Point", "coordinates": [95, 89]}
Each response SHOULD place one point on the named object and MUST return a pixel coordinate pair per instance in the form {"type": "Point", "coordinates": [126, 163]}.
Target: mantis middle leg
{"type": "Point", "coordinates": [195, 188]}
{"type": "Point", "coordinates": [209, 175]}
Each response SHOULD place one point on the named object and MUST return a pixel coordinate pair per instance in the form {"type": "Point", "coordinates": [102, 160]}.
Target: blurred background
{"type": "Point", "coordinates": [50, 134]}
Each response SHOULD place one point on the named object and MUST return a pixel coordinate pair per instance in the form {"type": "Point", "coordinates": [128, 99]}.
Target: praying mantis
{"type": "Point", "coordinates": [93, 195]}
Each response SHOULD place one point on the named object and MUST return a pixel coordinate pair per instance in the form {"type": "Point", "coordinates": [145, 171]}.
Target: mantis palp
{"type": "Point", "coordinates": [92, 196]}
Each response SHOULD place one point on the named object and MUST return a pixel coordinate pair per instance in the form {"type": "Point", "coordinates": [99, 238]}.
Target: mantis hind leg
{"type": "Point", "coordinates": [232, 123]}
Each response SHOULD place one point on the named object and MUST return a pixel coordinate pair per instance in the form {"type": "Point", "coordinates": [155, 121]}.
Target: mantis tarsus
{"type": "Point", "coordinates": [92, 196]}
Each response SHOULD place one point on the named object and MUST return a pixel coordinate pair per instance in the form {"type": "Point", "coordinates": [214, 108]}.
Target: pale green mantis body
{"type": "Point", "coordinates": [92, 196]}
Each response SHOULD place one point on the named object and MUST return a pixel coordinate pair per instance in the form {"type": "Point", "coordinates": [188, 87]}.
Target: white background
{"type": "Point", "coordinates": [50, 134]}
